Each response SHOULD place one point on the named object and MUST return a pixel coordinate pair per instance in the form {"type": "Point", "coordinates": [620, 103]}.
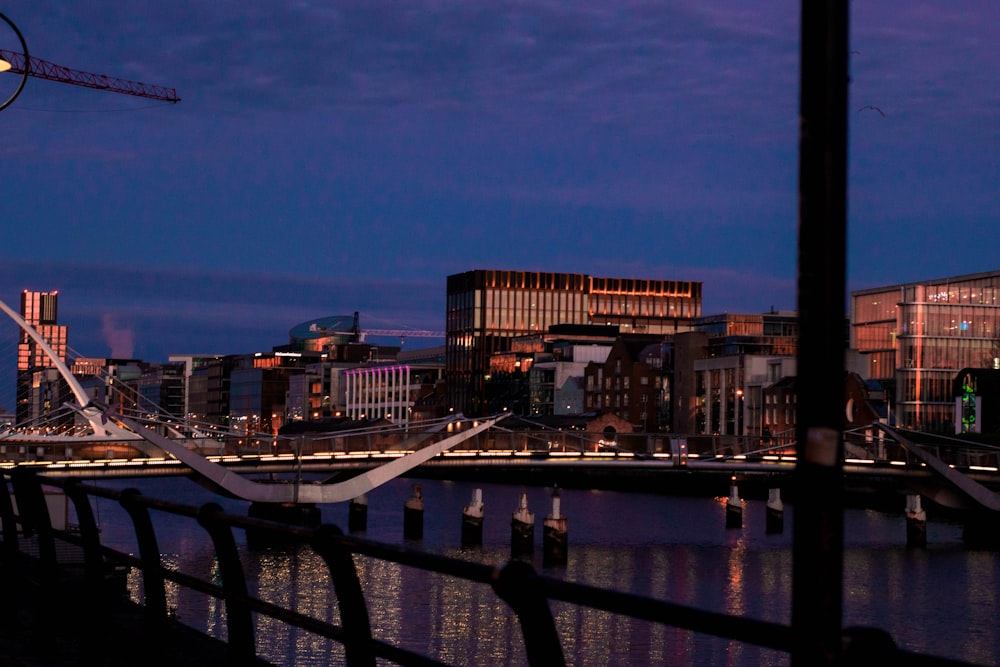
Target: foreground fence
{"type": "Point", "coordinates": [75, 561]}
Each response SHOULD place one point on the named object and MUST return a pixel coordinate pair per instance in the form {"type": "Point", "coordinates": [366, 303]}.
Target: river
{"type": "Point", "coordinates": [939, 600]}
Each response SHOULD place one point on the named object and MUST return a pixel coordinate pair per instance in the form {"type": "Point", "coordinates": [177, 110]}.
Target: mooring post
{"type": "Point", "coordinates": [472, 520]}
{"type": "Point", "coordinates": [734, 507]}
{"type": "Point", "coordinates": [413, 515]}
{"type": "Point", "coordinates": [357, 514]}
{"type": "Point", "coordinates": [775, 511]}
{"type": "Point", "coordinates": [522, 529]}
{"type": "Point", "coordinates": [554, 534]}
{"type": "Point", "coordinates": [916, 522]}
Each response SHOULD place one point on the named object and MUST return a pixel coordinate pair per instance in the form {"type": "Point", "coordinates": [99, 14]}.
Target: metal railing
{"type": "Point", "coordinates": [26, 521]}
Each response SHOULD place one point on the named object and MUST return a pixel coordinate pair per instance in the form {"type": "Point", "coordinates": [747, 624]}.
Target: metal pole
{"type": "Point", "coordinates": [817, 572]}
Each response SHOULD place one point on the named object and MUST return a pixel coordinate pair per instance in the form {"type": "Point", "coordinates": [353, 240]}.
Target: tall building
{"type": "Point", "coordinates": [487, 308]}
{"type": "Point", "coordinates": [40, 389]}
{"type": "Point", "coordinates": [40, 310]}
{"type": "Point", "coordinates": [918, 336]}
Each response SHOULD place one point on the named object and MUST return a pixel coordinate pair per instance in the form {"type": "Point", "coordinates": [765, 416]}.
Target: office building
{"type": "Point", "coordinates": [916, 337]}
{"type": "Point", "coordinates": [713, 376]}
{"type": "Point", "coordinates": [388, 391]}
{"type": "Point", "coordinates": [488, 308]}
{"type": "Point", "coordinates": [40, 388]}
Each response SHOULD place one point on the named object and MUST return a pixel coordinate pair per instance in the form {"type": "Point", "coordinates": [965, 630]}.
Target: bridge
{"type": "Point", "coordinates": [949, 472]}
{"type": "Point", "coordinates": [954, 474]}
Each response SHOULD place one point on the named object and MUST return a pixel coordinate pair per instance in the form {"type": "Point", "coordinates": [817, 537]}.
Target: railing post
{"type": "Point", "coordinates": [517, 584]}
{"type": "Point", "coordinates": [239, 622]}
{"type": "Point", "coordinates": [90, 539]}
{"type": "Point", "coordinates": [350, 598]}
{"type": "Point", "coordinates": [10, 547]}
{"type": "Point", "coordinates": [13, 579]}
{"type": "Point", "coordinates": [153, 581]}
{"type": "Point", "coordinates": [98, 603]}
{"type": "Point", "coordinates": [34, 516]}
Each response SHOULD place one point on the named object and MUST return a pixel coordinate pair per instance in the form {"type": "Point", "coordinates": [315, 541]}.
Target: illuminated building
{"type": "Point", "coordinates": [918, 336]}
{"type": "Point", "coordinates": [487, 308]}
{"type": "Point", "coordinates": [40, 310]}
{"type": "Point", "coordinates": [388, 391]}
{"type": "Point", "coordinates": [743, 354]}
{"type": "Point", "coordinates": [40, 389]}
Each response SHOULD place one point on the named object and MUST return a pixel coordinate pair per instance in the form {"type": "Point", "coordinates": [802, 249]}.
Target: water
{"type": "Point", "coordinates": [939, 600]}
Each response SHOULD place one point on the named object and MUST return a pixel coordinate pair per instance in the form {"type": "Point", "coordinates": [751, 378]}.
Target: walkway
{"type": "Point", "coordinates": [38, 632]}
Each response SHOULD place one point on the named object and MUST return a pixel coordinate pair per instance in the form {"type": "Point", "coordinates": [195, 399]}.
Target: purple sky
{"type": "Point", "coordinates": [334, 157]}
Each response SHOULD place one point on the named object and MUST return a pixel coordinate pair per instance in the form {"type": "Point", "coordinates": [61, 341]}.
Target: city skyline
{"type": "Point", "coordinates": [326, 160]}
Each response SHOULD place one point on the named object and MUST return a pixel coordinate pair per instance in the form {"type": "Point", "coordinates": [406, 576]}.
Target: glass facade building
{"type": "Point", "coordinates": [38, 391]}
{"type": "Point", "coordinates": [40, 310]}
{"type": "Point", "coordinates": [918, 336]}
{"type": "Point", "coordinates": [487, 308]}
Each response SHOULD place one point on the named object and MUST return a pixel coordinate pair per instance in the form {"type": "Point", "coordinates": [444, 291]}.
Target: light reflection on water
{"type": "Point", "coordinates": [939, 600]}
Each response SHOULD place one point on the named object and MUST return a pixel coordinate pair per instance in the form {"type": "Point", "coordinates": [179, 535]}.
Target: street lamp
{"type": "Point", "coordinates": [6, 65]}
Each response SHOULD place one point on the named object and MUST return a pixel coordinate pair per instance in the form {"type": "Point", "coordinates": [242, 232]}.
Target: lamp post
{"type": "Point", "coordinates": [4, 65]}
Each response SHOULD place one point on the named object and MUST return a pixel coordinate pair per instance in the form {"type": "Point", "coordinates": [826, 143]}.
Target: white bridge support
{"type": "Point", "coordinates": [972, 489]}
{"type": "Point", "coordinates": [299, 492]}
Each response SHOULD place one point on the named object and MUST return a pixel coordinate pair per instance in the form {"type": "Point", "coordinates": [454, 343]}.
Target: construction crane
{"type": "Point", "coordinates": [26, 65]}
{"type": "Point", "coordinates": [43, 69]}
{"type": "Point", "coordinates": [359, 335]}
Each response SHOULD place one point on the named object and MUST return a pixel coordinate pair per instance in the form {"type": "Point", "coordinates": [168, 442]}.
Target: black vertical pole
{"type": "Point", "coordinates": [817, 588]}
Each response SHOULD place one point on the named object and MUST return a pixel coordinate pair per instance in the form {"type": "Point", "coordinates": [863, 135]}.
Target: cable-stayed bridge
{"type": "Point", "coordinates": [112, 441]}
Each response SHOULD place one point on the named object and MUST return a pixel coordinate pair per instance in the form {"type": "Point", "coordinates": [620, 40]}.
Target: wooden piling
{"type": "Point", "coordinates": [734, 507]}
{"type": "Point", "coordinates": [522, 529]}
{"type": "Point", "coordinates": [916, 522]}
{"type": "Point", "coordinates": [775, 511]}
{"type": "Point", "coordinates": [294, 514]}
{"type": "Point", "coordinates": [357, 515]}
{"type": "Point", "coordinates": [472, 520]}
{"type": "Point", "coordinates": [555, 533]}
{"type": "Point", "coordinates": [413, 515]}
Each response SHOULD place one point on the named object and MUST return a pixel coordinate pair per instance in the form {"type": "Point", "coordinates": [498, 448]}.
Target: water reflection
{"type": "Point", "coordinates": [939, 600]}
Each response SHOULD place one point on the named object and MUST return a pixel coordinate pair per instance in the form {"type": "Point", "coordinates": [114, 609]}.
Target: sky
{"type": "Point", "coordinates": [333, 157]}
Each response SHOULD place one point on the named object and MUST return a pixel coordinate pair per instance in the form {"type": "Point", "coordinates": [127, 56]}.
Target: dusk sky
{"type": "Point", "coordinates": [332, 157]}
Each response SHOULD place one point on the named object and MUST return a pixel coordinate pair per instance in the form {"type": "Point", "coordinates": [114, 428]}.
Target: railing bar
{"type": "Point", "coordinates": [239, 622]}
{"type": "Point", "coordinates": [350, 596]}
{"type": "Point", "coordinates": [426, 561]}
{"type": "Point", "coordinates": [150, 564]}
{"type": "Point", "coordinates": [719, 624]}
{"type": "Point", "coordinates": [516, 583]}
{"type": "Point", "coordinates": [33, 514]}
{"type": "Point", "coordinates": [545, 590]}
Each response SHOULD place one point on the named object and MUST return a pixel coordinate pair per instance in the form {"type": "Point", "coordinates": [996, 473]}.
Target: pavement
{"type": "Point", "coordinates": [60, 629]}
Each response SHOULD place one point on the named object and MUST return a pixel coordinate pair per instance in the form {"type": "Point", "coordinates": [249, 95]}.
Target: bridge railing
{"type": "Point", "coordinates": [861, 445]}
{"type": "Point", "coordinates": [30, 551]}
